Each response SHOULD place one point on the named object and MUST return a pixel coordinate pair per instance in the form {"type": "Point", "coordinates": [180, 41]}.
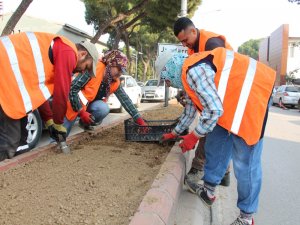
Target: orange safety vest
{"type": "Point", "coordinates": [244, 87]}
{"type": "Point", "coordinates": [90, 90]}
{"type": "Point", "coordinates": [27, 74]}
{"type": "Point", "coordinates": [204, 37]}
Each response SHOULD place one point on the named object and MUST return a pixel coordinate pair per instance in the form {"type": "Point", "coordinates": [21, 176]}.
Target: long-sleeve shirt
{"type": "Point", "coordinates": [64, 61]}
{"type": "Point", "coordinates": [201, 79]}
{"type": "Point", "coordinates": [120, 93]}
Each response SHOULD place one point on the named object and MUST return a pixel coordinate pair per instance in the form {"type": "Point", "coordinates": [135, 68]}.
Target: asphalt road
{"type": "Point", "coordinates": [111, 117]}
{"type": "Point", "coordinates": [280, 195]}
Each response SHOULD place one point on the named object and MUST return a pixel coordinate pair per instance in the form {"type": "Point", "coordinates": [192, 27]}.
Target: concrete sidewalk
{"type": "Point", "coordinates": [191, 210]}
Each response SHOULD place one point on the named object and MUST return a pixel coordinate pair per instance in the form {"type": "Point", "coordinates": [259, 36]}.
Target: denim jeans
{"type": "Point", "coordinates": [220, 147]}
{"type": "Point", "coordinates": [98, 109]}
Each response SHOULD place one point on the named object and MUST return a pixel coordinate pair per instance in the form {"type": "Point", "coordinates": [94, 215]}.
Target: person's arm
{"type": "Point", "coordinates": [213, 43]}
{"type": "Point", "coordinates": [127, 103]}
{"type": "Point", "coordinates": [187, 117]}
{"type": "Point", "coordinates": [77, 84]}
{"type": "Point", "coordinates": [64, 63]}
{"type": "Point", "coordinates": [201, 80]}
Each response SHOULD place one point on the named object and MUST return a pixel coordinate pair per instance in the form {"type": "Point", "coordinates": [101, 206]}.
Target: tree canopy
{"type": "Point", "coordinates": [250, 48]}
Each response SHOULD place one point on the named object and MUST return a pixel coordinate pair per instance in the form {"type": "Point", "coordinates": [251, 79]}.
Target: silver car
{"type": "Point", "coordinates": [287, 95]}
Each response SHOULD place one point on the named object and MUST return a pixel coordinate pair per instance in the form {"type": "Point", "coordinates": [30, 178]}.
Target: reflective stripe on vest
{"type": "Point", "coordinates": [83, 98]}
{"type": "Point", "coordinates": [246, 88]}
{"type": "Point", "coordinates": [10, 50]}
{"type": "Point", "coordinates": [225, 74]}
{"type": "Point", "coordinates": [39, 63]}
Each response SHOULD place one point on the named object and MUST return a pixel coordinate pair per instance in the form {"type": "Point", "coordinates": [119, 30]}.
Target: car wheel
{"type": "Point", "coordinates": [34, 130]}
{"type": "Point", "coordinates": [280, 103]}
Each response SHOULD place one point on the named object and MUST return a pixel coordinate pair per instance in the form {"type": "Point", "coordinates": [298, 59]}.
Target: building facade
{"type": "Point", "coordinates": [281, 51]}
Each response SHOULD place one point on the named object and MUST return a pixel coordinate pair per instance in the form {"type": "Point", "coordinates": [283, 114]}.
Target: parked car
{"type": "Point", "coordinates": [154, 92]}
{"type": "Point", "coordinates": [141, 84]}
{"type": "Point", "coordinates": [287, 95]}
{"type": "Point", "coordinates": [132, 89]}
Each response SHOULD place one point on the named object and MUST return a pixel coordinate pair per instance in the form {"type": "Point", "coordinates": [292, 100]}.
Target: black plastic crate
{"type": "Point", "coordinates": [155, 129]}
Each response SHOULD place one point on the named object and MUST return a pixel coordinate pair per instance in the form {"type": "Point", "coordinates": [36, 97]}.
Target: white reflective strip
{"type": "Point", "coordinates": [247, 85]}
{"type": "Point", "coordinates": [39, 64]}
{"type": "Point", "coordinates": [82, 98]}
{"type": "Point", "coordinates": [225, 74]}
{"type": "Point", "coordinates": [15, 68]}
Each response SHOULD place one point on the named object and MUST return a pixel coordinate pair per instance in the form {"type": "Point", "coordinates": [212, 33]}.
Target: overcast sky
{"type": "Point", "coordinates": [238, 20]}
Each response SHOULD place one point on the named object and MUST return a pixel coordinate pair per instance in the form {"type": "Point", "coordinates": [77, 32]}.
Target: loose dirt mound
{"type": "Point", "coordinates": [101, 182]}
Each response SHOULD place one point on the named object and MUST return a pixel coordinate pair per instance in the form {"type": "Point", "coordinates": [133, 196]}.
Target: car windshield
{"type": "Point", "coordinates": [154, 83]}
{"type": "Point", "coordinates": [292, 89]}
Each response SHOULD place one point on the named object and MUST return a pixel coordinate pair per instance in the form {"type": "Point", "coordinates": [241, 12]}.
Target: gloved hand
{"type": "Point", "coordinates": [86, 117]}
{"type": "Point", "coordinates": [144, 129]}
{"type": "Point", "coordinates": [189, 142]}
{"type": "Point", "coordinates": [141, 122]}
{"type": "Point", "coordinates": [57, 131]}
{"type": "Point", "coordinates": [167, 137]}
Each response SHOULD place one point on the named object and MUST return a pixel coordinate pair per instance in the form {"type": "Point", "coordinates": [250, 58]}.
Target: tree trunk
{"type": "Point", "coordinates": [146, 65]}
{"type": "Point", "coordinates": [126, 41]}
{"type": "Point", "coordinates": [14, 19]}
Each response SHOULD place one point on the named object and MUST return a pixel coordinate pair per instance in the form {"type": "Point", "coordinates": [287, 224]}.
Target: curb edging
{"type": "Point", "coordinates": [159, 205]}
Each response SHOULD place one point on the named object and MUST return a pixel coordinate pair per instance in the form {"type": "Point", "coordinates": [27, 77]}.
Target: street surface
{"type": "Point", "coordinates": [280, 195]}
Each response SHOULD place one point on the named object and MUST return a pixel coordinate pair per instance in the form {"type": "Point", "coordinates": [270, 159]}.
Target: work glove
{"type": "Point", "coordinates": [56, 131]}
{"type": "Point", "coordinates": [86, 117]}
{"type": "Point", "coordinates": [144, 129]}
{"type": "Point", "coordinates": [168, 137]}
{"type": "Point", "coordinates": [189, 142]}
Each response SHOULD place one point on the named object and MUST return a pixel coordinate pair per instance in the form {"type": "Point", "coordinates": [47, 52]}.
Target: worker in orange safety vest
{"type": "Point", "coordinates": [35, 66]}
{"type": "Point", "coordinates": [88, 96]}
{"type": "Point", "coordinates": [199, 40]}
{"type": "Point", "coordinates": [231, 91]}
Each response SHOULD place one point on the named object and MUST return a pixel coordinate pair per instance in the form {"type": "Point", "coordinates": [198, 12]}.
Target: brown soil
{"type": "Point", "coordinates": [102, 182]}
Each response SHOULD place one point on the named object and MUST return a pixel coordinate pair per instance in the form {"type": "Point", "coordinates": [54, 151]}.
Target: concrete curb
{"type": "Point", "coordinates": [77, 138]}
{"type": "Point", "coordinates": [160, 203]}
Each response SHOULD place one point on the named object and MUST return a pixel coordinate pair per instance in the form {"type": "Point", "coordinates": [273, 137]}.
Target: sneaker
{"type": "Point", "coordinates": [84, 126]}
{"type": "Point", "coordinates": [194, 175]}
{"type": "Point", "coordinates": [240, 221]}
{"type": "Point", "coordinates": [199, 190]}
{"type": "Point", "coordinates": [205, 198]}
{"type": "Point", "coordinates": [226, 180]}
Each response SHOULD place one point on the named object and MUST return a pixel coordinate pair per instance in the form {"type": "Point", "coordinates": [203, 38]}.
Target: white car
{"type": "Point", "coordinates": [132, 89]}
{"type": "Point", "coordinates": [154, 92]}
{"type": "Point", "coordinates": [287, 95]}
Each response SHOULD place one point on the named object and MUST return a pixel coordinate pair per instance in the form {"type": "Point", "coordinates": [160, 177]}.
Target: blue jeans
{"type": "Point", "coordinates": [98, 109]}
{"type": "Point", "coordinates": [220, 147]}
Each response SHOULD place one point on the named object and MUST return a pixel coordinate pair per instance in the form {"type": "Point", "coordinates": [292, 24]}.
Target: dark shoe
{"type": "Point", "coordinates": [199, 190]}
{"type": "Point", "coordinates": [85, 127]}
{"type": "Point", "coordinates": [194, 175]}
{"type": "Point", "coordinates": [193, 186]}
{"type": "Point", "coordinates": [226, 180]}
{"type": "Point", "coordinates": [205, 199]}
{"type": "Point", "coordinates": [3, 155]}
{"type": "Point", "coordinates": [240, 221]}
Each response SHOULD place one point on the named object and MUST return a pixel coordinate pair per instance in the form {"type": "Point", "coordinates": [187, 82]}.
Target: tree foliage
{"type": "Point", "coordinates": [250, 48]}
{"type": "Point", "coordinates": [139, 23]}
{"type": "Point", "coordinates": [295, 1]}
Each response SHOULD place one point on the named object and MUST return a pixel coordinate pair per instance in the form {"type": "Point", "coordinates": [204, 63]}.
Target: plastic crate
{"type": "Point", "coordinates": [155, 129]}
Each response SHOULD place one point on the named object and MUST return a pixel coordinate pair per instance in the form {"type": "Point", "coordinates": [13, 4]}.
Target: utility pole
{"type": "Point", "coordinates": [183, 11]}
